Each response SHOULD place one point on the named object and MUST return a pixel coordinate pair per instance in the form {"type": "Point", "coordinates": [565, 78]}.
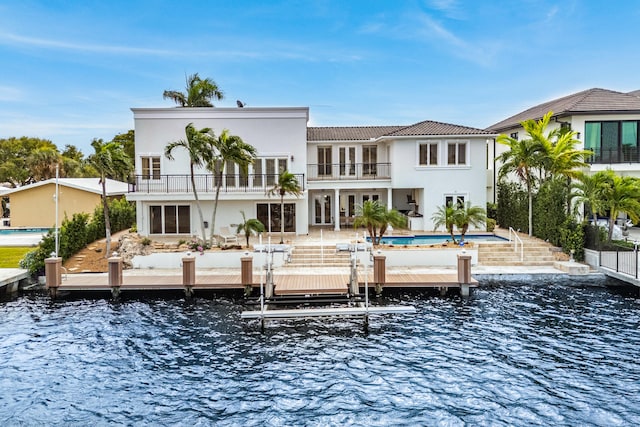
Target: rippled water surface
{"type": "Point", "coordinates": [511, 354]}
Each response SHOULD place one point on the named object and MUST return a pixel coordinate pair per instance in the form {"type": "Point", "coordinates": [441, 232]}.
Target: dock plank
{"type": "Point", "coordinates": [285, 283]}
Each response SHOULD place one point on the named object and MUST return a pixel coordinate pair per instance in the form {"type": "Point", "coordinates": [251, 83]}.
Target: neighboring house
{"type": "Point", "coordinates": [34, 205]}
{"type": "Point", "coordinates": [607, 123]}
{"type": "Point", "coordinates": [412, 168]}
{"type": "Point", "coordinates": [5, 206]}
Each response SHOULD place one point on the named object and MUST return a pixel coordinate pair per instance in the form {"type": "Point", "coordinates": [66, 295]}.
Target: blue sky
{"type": "Point", "coordinates": [71, 70]}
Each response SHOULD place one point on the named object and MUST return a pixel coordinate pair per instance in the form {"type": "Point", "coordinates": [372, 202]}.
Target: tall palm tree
{"type": "Point", "coordinates": [522, 159]}
{"type": "Point", "coordinates": [445, 215]}
{"type": "Point", "coordinates": [371, 215]}
{"type": "Point", "coordinates": [249, 226]}
{"type": "Point", "coordinates": [620, 194]}
{"type": "Point", "coordinates": [198, 93]}
{"type": "Point", "coordinates": [227, 149]}
{"type": "Point", "coordinates": [111, 162]}
{"type": "Point", "coordinates": [287, 184]}
{"type": "Point", "coordinates": [469, 215]}
{"type": "Point", "coordinates": [198, 146]}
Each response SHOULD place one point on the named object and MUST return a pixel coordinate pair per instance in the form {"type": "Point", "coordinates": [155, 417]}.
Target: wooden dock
{"type": "Point", "coordinates": [285, 284]}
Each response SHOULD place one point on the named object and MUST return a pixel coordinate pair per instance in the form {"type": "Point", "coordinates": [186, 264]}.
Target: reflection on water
{"type": "Point", "coordinates": [509, 355]}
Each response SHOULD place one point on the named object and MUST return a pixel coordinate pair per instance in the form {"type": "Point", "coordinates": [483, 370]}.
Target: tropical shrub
{"type": "Point", "coordinates": [77, 232]}
{"type": "Point", "coordinates": [572, 239]}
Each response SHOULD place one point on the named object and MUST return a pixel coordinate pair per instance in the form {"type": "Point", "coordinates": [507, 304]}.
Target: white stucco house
{"type": "Point", "coordinates": [606, 122]}
{"type": "Point", "coordinates": [413, 168]}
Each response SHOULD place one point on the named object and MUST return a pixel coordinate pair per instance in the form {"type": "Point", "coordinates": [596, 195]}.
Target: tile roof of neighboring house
{"type": "Point", "coordinates": [365, 133]}
{"type": "Point", "coordinates": [92, 185]}
{"type": "Point", "coordinates": [586, 102]}
{"type": "Point", "coordinates": [634, 92]}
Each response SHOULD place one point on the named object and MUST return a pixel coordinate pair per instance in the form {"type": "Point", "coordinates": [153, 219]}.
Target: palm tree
{"type": "Point", "coordinates": [391, 218]}
{"type": "Point", "coordinates": [521, 158]}
{"type": "Point", "coordinates": [198, 93]}
{"type": "Point", "coordinates": [249, 226]}
{"type": "Point", "coordinates": [371, 215]}
{"type": "Point", "coordinates": [445, 216]}
{"type": "Point", "coordinates": [468, 215]}
{"type": "Point", "coordinates": [587, 191]}
{"type": "Point", "coordinates": [227, 149]}
{"type": "Point", "coordinates": [287, 184]}
{"type": "Point", "coordinates": [198, 146]}
{"type": "Point", "coordinates": [42, 163]}
{"type": "Point", "coordinates": [111, 162]}
{"type": "Point", "coordinates": [619, 194]}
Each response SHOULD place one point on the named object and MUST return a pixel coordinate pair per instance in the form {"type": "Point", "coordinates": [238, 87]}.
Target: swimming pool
{"type": "Point", "coordinates": [431, 239]}
{"type": "Point", "coordinates": [32, 230]}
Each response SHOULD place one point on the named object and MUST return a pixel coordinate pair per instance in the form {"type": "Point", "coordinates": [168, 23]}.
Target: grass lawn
{"type": "Point", "coordinates": [10, 256]}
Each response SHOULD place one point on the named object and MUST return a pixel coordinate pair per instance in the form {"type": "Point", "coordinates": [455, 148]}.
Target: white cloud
{"type": "Point", "coordinates": [480, 53]}
{"type": "Point", "coordinates": [450, 8]}
{"type": "Point", "coordinates": [10, 94]}
{"type": "Point", "coordinates": [262, 49]}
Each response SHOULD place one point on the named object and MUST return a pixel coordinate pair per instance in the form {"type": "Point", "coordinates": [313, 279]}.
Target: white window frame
{"type": "Point", "coordinates": [457, 143]}
{"type": "Point", "coordinates": [456, 198]}
{"type": "Point", "coordinates": [428, 144]}
{"type": "Point", "coordinates": [151, 174]}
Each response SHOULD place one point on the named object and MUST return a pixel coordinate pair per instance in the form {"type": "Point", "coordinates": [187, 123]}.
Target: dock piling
{"type": "Point", "coordinates": [246, 274]}
{"type": "Point", "coordinates": [464, 273]}
{"type": "Point", "coordinates": [53, 275]}
{"type": "Point", "coordinates": [188, 274]}
{"type": "Point", "coordinates": [115, 275]}
{"type": "Point", "coordinates": [379, 272]}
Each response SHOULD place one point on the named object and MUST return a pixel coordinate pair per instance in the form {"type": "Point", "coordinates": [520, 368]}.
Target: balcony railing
{"type": "Point", "coordinates": [348, 171]}
{"type": "Point", "coordinates": [252, 183]}
{"type": "Point", "coordinates": [614, 155]}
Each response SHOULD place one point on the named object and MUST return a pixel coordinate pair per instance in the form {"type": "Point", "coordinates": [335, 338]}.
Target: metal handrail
{"type": "Point", "coordinates": [517, 240]}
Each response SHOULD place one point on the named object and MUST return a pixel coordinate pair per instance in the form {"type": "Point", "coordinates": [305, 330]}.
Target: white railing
{"type": "Point", "coordinates": [516, 241]}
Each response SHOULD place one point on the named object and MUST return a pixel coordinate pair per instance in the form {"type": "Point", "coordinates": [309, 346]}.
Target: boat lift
{"type": "Point", "coordinates": [363, 310]}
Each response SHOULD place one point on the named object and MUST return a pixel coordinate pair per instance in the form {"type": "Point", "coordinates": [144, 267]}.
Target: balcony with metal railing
{"type": "Point", "coordinates": [626, 154]}
{"type": "Point", "coordinates": [348, 171]}
{"type": "Point", "coordinates": [206, 183]}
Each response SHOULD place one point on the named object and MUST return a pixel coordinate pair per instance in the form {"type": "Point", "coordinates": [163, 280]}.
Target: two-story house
{"type": "Point", "coordinates": [606, 122]}
{"type": "Point", "coordinates": [413, 169]}
{"type": "Point", "coordinates": [162, 188]}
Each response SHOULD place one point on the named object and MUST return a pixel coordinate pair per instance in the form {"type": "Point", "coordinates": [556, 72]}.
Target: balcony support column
{"type": "Point", "coordinates": [389, 198]}
{"type": "Point", "coordinates": [336, 209]}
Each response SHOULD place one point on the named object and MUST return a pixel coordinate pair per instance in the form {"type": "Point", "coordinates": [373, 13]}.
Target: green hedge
{"type": "Point", "coordinates": [513, 206]}
{"type": "Point", "coordinates": [77, 232]}
{"type": "Point", "coordinates": [551, 222]}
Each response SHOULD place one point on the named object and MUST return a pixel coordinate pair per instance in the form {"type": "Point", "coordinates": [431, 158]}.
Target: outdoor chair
{"type": "Point", "coordinates": [227, 236]}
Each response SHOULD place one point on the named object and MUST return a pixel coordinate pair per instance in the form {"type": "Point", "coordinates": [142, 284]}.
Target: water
{"type": "Point", "coordinates": [13, 231]}
{"type": "Point", "coordinates": [431, 239]}
{"type": "Point", "coordinates": [512, 354]}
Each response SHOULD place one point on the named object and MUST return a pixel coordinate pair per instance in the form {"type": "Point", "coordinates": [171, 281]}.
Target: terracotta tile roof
{"type": "Point", "coordinates": [429, 127]}
{"type": "Point", "coordinates": [365, 133]}
{"type": "Point", "coordinates": [588, 101]}
{"type": "Point", "coordinates": [348, 133]}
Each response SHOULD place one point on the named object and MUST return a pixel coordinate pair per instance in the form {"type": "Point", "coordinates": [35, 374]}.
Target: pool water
{"type": "Point", "coordinates": [431, 239]}
{"type": "Point", "coordinates": [23, 230]}
{"type": "Point", "coordinates": [512, 354]}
